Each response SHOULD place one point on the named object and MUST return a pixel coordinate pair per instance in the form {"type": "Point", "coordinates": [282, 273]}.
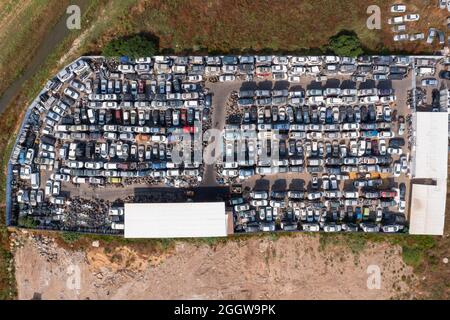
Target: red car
{"type": "Point", "coordinates": [141, 87]}
{"type": "Point", "coordinates": [183, 116]}
{"type": "Point", "coordinates": [388, 194]}
{"type": "Point", "coordinates": [118, 116]}
{"type": "Point", "coordinates": [188, 129]}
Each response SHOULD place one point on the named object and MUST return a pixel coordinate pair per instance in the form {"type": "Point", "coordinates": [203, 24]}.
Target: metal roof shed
{"type": "Point", "coordinates": [431, 150]}
{"type": "Point", "coordinates": [175, 220]}
{"type": "Point", "coordinates": [427, 209]}
{"type": "Point", "coordinates": [429, 162]}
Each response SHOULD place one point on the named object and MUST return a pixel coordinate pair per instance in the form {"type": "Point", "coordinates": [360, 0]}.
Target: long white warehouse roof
{"type": "Point", "coordinates": [431, 157]}
{"type": "Point", "coordinates": [175, 220]}
{"type": "Point", "coordinates": [431, 145]}
{"type": "Point", "coordinates": [427, 209]}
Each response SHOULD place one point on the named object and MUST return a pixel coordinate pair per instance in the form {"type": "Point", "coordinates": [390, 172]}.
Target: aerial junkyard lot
{"type": "Point", "coordinates": [307, 142]}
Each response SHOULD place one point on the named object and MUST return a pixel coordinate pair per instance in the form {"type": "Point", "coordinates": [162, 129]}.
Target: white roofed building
{"type": "Point", "coordinates": [175, 220]}
{"type": "Point", "coordinates": [429, 173]}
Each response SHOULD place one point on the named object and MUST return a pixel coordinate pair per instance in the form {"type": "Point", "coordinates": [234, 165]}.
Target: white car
{"type": "Point", "coordinates": [398, 8]}
{"type": "Point", "coordinates": [332, 228]}
{"type": "Point", "coordinates": [259, 203]}
{"type": "Point", "coordinates": [401, 37]}
{"type": "Point", "coordinates": [391, 228]}
{"type": "Point", "coordinates": [369, 99]}
{"type": "Point", "coordinates": [397, 151]}
{"type": "Point", "coordinates": [60, 177]}
{"type": "Point", "coordinates": [385, 134]}
{"type": "Point", "coordinates": [77, 85]}
{"type": "Point", "coordinates": [227, 77]}
{"type": "Point", "coordinates": [411, 17]}
{"type": "Point", "coordinates": [314, 195]}
{"type": "Point", "coordinates": [194, 78]}
{"type": "Point", "coordinates": [71, 93]}
{"type": "Point", "coordinates": [48, 188]}
{"type": "Point", "coordinates": [387, 99]}
{"type": "Point", "coordinates": [401, 206]}
{"type": "Point", "coordinates": [362, 148]}
{"type": "Point", "coordinates": [404, 164]}
{"type": "Point", "coordinates": [369, 227]}
{"type": "Point", "coordinates": [79, 180]}
{"type": "Point", "coordinates": [311, 227]}
{"type": "Point", "coordinates": [396, 20]}
{"type": "Point", "coordinates": [401, 128]}
{"type": "Point", "coordinates": [399, 28]}
{"type": "Point", "coordinates": [397, 169]}
{"type": "Point", "coordinates": [416, 36]}
{"type": "Point", "coordinates": [56, 189]}
{"type": "Point", "coordinates": [382, 147]}
{"type": "Point", "coordinates": [294, 78]}
{"type": "Point", "coordinates": [75, 164]}
{"type": "Point", "coordinates": [430, 82]}
{"type": "Point", "coordinates": [93, 165]}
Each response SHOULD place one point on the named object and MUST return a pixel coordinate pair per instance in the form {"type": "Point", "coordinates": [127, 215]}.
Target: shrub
{"type": "Point", "coordinates": [27, 222]}
{"type": "Point", "coordinates": [133, 47]}
{"type": "Point", "coordinates": [70, 237]}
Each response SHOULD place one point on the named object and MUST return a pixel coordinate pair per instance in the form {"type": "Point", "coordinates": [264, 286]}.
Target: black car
{"type": "Point", "coordinates": [402, 191]}
{"type": "Point", "coordinates": [254, 113]}
{"type": "Point", "coordinates": [396, 142]}
{"type": "Point", "coordinates": [396, 76]}
{"type": "Point", "coordinates": [205, 114]}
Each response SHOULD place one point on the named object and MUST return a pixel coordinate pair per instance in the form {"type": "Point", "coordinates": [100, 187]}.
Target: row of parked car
{"type": "Point", "coordinates": [364, 210]}
{"type": "Point", "coordinates": [328, 96]}
{"type": "Point", "coordinates": [195, 69]}
{"type": "Point", "coordinates": [96, 124]}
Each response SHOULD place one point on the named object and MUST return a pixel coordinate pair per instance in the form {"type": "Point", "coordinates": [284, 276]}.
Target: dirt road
{"type": "Point", "coordinates": [293, 267]}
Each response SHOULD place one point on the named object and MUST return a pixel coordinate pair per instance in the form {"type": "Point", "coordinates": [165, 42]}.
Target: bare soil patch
{"type": "Point", "coordinates": [289, 267]}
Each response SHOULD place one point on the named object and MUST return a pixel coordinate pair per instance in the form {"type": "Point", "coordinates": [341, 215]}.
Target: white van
{"type": "Point", "coordinates": [421, 71]}
{"type": "Point", "coordinates": [35, 180]}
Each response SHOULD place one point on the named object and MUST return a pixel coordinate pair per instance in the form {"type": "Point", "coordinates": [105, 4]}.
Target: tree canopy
{"type": "Point", "coordinates": [133, 47]}
{"type": "Point", "coordinates": [345, 45]}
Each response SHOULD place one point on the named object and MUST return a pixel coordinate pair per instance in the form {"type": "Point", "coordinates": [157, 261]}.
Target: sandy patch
{"type": "Point", "coordinates": [293, 267]}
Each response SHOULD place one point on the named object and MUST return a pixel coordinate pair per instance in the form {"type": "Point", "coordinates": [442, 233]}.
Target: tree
{"type": "Point", "coordinates": [133, 47]}
{"type": "Point", "coordinates": [345, 44]}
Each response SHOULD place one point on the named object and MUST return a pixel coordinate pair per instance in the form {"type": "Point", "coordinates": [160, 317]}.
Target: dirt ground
{"type": "Point", "coordinates": [289, 267]}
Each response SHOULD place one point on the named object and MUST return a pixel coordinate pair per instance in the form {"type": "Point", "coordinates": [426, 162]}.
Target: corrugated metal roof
{"type": "Point", "coordinates": [431, 145]}
{"type": "Point", "coordinates": [428, 209]}
{"type": "Point", "coordinates": [430, 162]}
{"type": "Point", "coordinates": [175, 220]}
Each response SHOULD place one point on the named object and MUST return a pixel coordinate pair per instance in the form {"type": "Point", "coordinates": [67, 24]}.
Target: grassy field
{"type": "Point", "coordinates": [223, 26]}
{"type": "Point", "coordinates": [207, 26]}
{"type": "Point", "coordinates": [23, 24]}
{"type": "Point", "coordinates": [10, 122]}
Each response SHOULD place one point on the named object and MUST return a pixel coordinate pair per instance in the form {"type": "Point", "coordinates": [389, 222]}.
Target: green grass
{"type": "Point", "coordinates": [414, 248]}
{"type": "Point", "coordinates": [70, 237]}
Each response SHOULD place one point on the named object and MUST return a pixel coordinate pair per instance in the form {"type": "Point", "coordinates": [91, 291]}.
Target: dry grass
{"type": "Point", "coordinates": [13, 115]}
{"type": "Point", "coordinates": [23, 25]}
{"type": "Point", "coordinates": [222, 26]}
